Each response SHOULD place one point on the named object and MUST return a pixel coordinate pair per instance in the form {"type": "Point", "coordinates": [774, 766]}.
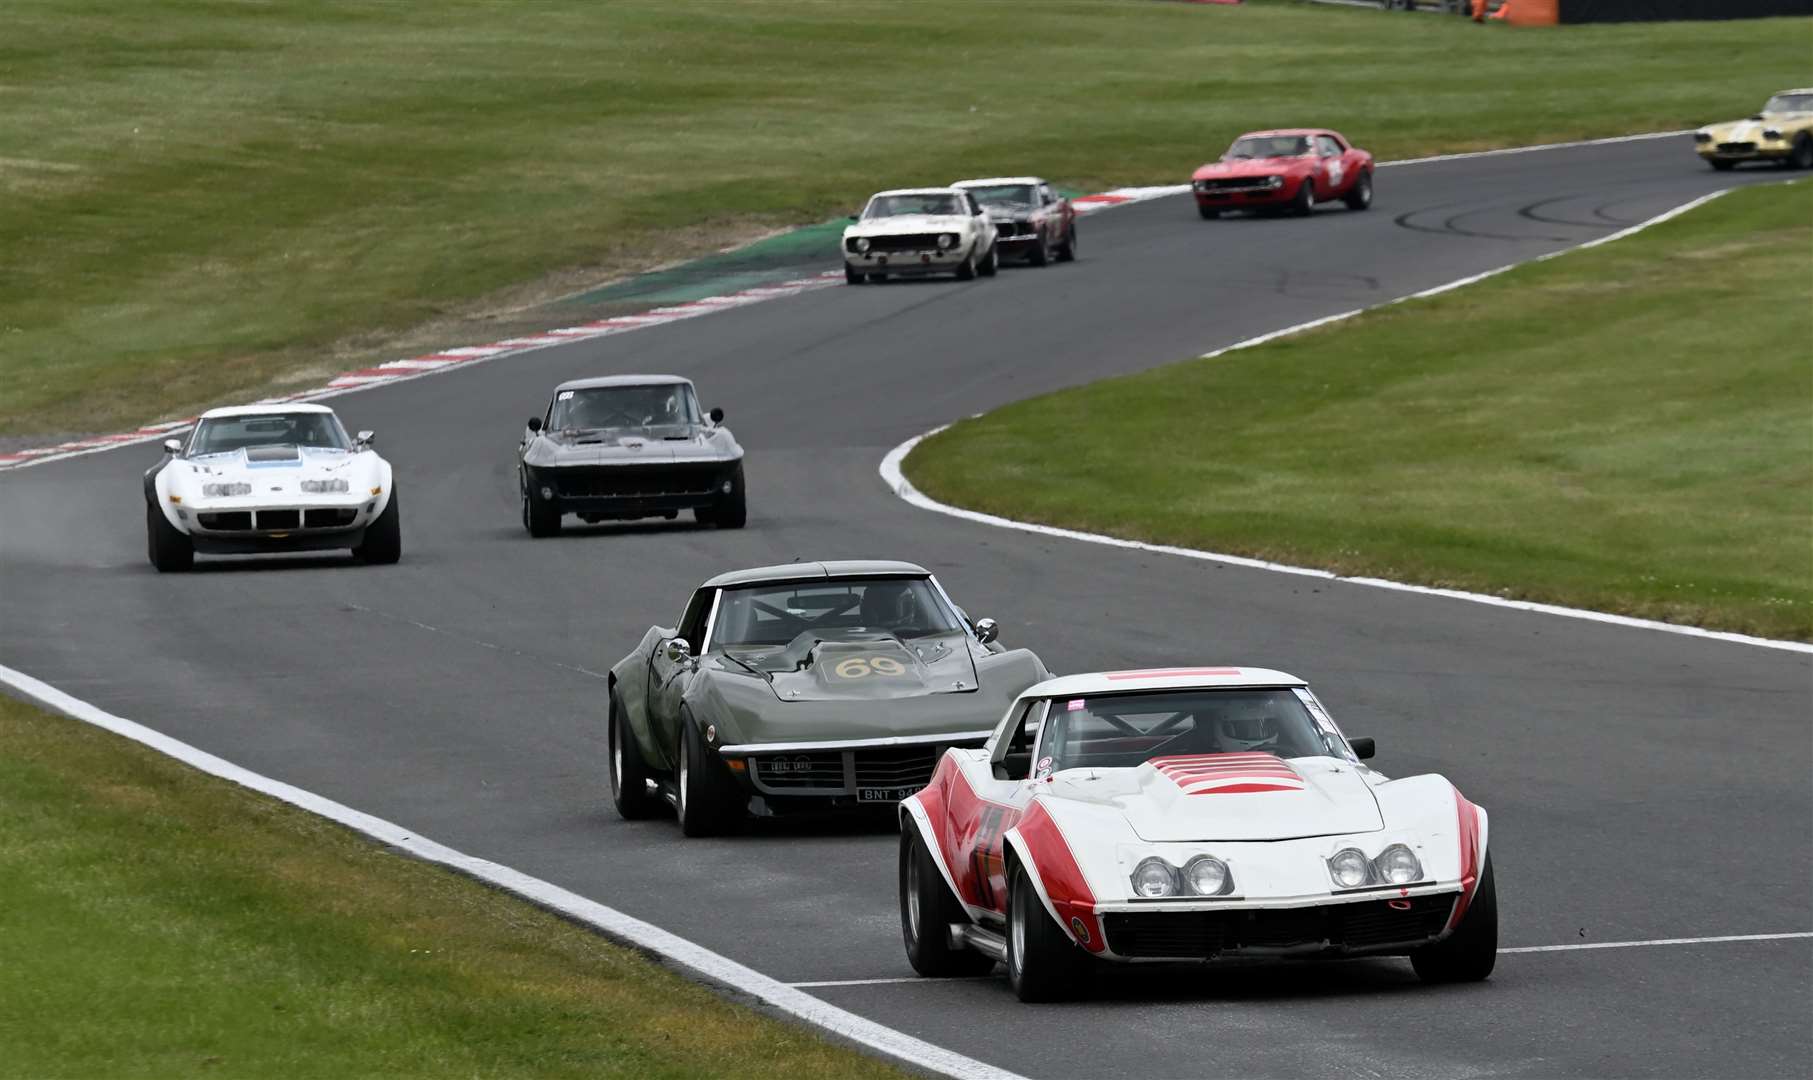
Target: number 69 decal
{"type": "Point", "coordinates": [861, 667]}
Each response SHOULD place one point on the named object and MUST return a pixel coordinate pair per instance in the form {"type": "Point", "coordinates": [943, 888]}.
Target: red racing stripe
{"type": "Point", "coordinates": [1063, 878]}
{"type": "Point", "coordinates": [1468, 817]}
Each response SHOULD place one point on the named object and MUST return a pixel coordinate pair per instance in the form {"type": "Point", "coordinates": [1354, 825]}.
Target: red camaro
{"type": "Point", "coordinates": [1293, 169]}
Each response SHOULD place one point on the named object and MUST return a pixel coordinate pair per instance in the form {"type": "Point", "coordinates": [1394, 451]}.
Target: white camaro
{"type": "Point", "coordinates": [270, 478]}
{"type": "Point", "coordinates": [917, 231]}
{"type": "Point", "coordinates": [1185, 815]}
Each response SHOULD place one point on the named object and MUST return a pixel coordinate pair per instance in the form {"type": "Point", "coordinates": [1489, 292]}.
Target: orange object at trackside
{"type": "Point", "coordinates": [1532, 12]}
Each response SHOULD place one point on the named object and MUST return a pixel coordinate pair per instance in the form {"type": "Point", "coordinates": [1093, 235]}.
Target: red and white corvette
{"type": "Point", "coordinates": [1293, 170]}
{"type": "Point", "coordinates": [1185, 814]}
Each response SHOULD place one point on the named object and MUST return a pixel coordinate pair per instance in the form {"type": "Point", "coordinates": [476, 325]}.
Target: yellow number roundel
{"type": "Point", "coordinates": [861, 667]}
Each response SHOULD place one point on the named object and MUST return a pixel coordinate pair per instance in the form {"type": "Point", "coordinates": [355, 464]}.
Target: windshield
{"type": "Point", "coordinates": [1124, 730]}
{"type": "Point", "coordinates": [1268, 146]}
{"type": "Point", "coordinates": [1790, 103]}
{"type": "Point", "coordinates": [776, 614]}
{"type": "Point", "coordinates": [885, 206]}
{"type": "Point", "coordinates": [624, 407]}
{"type": "Point", "coordinates": [225, 434]}
{"type": "Point", "coordinates": [1006, 195]}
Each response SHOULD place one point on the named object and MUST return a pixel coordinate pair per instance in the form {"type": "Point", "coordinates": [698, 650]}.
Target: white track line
{"type": "Point", "coordinates": [896, 480]}
{"type": "Point", "coordinates": [902, 980]}
{"type": "Point", "coordinates": [696, 959]}
{"type": "Point", "coordinates": [1657, 941]}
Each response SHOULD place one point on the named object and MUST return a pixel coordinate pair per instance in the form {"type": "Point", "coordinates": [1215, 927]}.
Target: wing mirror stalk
{"type": "Point", "coordinates": [1363, 747]}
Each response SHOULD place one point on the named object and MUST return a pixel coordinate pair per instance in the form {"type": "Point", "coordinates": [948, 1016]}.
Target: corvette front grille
{"type": "Point", "coordinates": [226, 520]}
{"type": "Point", "coordinates": [1011, 229]}
{"type": "Point", "coordinates": [279, 519]}
{"type": "Point", "coordinates": [830, 772]}
{"type": "Point", "coordinates": [1368, 924]}
{"type": "Point", "coordinates": [897, 766]}
{"type": "Point", "coordinates": [632, 481]}
{"type": "Point", "coordinates": [335, 517]}
{"type": "Point", "coordinates": [787, 771]}
{"type": "Point", "coordinates": [1231, 183]}
{"type": "Point", "coordinates": [1737, 148]}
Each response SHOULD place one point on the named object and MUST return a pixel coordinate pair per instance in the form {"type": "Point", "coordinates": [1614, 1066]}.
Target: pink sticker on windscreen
{"type": "Point", "coordinates": [1076, 705]}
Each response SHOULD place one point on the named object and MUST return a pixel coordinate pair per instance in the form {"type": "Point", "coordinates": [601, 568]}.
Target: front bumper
{"type": "Point", "coordinates": [862, 773]}
{"type": "Point", "coordinates": [1257, 193]}
{"type": "Point", "coordinates": [1371, 923]}
{"type": "Point", "coordinates": [909, 262]}
{"type": "Point", "coordinates": [633, 490]}
{"type": "Point", "coordinates": [1765, 150]}
{"type": "Point", "coordinates": [241, 527]}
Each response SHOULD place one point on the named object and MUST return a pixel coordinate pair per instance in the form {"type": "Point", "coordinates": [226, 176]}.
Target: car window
{"type": "Point", "coordinates": [1013, 755]}
{"type": "Point", "coordinates": [225, 434]}
{"type": "Point", "coordinates": [774, 614]}
{"type": "Point", "coordinates": [1123, 730]}
{"type": "Point", "coordinates": [602, 407]}
{"type": "Point", "coordinates": [1269, 146]}
{"type": "Point", "coordinates": [1004, 195]}
{"type": "Point", "coordinates": [1790, 103]}
{"type": "Point", "coordinates": [692, 620]}
{"type": "Point", "coordinates": [974, 206]}
{"type": "Point", "coordinates": [934, 203]}
{"type": "Point", "coordinates": [1327, 146]}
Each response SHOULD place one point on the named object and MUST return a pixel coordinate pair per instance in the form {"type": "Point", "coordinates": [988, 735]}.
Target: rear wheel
{"type": "Point", "coordinates": [853, 276]}
{"type": "Point", "coordinates": [629, 775]}
{"type": "Point", "coordinates": [169, 550]}
{"type": "Point", "coordinates": [927, 910]}
{"type": "Point", "coordinates": [1802, 155]}
{"type": "Point", "coordinates": [707, 798]}
{"type": "Point", "coordinates": [1067, 250]}
{"type": "Point", "coordinates": [1468, 954]}
{"type": "Point", "coordinates": [1359, 197]}
{"type": "Point", "coordinates": [1043, 964]}
{"type": "Point", "coordinates": [383, 543]}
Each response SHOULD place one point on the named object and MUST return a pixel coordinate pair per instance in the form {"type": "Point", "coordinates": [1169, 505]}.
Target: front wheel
{"type": "Point", "coordinates": [1043, 964]}
{"type": "Point", "coordinates": [1067, 250]}
{"type": "Point", "coordinates": [383, 543]}
{"type": "Point", "coordinates": [1468, 954]}
{"type": "Point", "coordinates": [629, 775]}
{"type": "Point", "coordinates": [966, 270]}
{"type": "Point", "coordinates": [994, 262]}
{"type": "Point", "coordinates": [169, 550]}
{"type": "Point", "coordinates": [706, 797]}
{"type": "Point", "coordinates": [730, 511]}
{"type": "Point", "coordinates": [540, 516]}
{"type": "Point", "coordinates": [1304, 202]}
{"type": "Point", "coordinates": [1208, 213]}
{"type": "Point", "coordinates": [1359, 197]}
{"type": "Point", "coordinates": [853, 276]}
{"type": "Point", "coordinates": [1721, 165]}
{"type": "Point", "coordinates": [927, 910]}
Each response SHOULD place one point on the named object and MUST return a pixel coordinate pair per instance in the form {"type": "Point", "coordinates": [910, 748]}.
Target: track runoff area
{"type": "Point", "coordinates": [976, 1029]}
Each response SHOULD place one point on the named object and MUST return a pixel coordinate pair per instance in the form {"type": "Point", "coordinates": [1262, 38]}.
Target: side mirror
{"type": "Point", "coordinates": [678, 651]}
{"type": "Point", "coordinates": [1362, 747]}
{"type": "Point", "coordinates": [365, 438]}
{"type": "Point", "coordinates": [716, 414]}
{"type": "Point", "coordinates": [173, 446]}
{"type": "Point", "coordinates": [855, 217]}
{"type": "Point", "coordinates": [987, 630]}
{"type": "Point", "coordinates": [534, 423]}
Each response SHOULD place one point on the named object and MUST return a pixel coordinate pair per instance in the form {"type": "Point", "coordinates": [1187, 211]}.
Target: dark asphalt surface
{"type": "Point", "coordinates": [1641, 785]}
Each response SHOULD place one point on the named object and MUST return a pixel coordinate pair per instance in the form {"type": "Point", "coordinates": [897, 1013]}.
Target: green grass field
{"type": "Point", "coordinates": [1628, 429]}
{"type": "Point", "coordinates": [157, 922]}
{"type": "Point", "coordinates": [205, 199]}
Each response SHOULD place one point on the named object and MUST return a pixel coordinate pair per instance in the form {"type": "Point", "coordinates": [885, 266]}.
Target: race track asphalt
{"type": "Point", "coordinates": [1642, 785]}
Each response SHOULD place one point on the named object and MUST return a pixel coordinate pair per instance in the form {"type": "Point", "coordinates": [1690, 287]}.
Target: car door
{"type": "Point", "coordinates": [1003, 787]}
{"type": "Point", "coordinates": [1055, 225]}
{"type": "Point", "coordinates": [985, 229]}
{"type": "Point", "coordinates": [1332, 167]}
{"type": "Point", "coordinates": [668, 680]}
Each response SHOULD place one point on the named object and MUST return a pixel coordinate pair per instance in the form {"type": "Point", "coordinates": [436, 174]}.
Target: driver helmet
{"type": "Point", "coordinates": [1249, 730]}
{"type": "Point", "coordinates": [889, 604]}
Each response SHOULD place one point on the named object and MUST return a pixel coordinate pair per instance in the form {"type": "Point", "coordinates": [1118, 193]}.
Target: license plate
{"type": "Point", "coordinates": [885, 794]}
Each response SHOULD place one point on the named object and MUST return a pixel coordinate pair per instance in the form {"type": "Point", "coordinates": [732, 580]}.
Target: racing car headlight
{"type": "Point", "coordinates": [325, 487]}
{"type": "Point", "coordinates": [861, 245]}
{"type": "Point", "coordinates": [1702, 136]}
{"type": "Point", "coordinates": [1208, 876]}
{"type": "Point", "coordinates": [1350, 868]}
{"type": "Point", "coordinates": [1771, 134]}
{"type": "Point", "coordinates": [226, 491]}
{"type": "Point", "coordinates": [1397, 864]}
{"type": "Point", "coordinates": [1201, 185]}
{"type": "Point", "coordinates": [946, 241]}
{"type": "Point", "coordinates": [1154, 878]}
{"type": "Point", "coordinates": [1274, 181]}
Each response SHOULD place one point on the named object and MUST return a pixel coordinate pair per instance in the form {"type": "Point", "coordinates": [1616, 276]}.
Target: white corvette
{"type": "Point", "coordinates": [270, 478]}
{"type": "Point", "coordinates": [917, 231]}
{"type": "Point", "coordinates": [1181, 815]}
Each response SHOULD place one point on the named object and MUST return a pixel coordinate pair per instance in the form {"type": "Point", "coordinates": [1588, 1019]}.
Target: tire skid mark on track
{"type": "Point", "coordinates": [896, 480]}
{"type": "Point", "coordinates": [697, 961]}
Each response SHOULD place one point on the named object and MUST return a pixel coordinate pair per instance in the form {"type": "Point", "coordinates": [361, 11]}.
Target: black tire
{"type": "Point", "coordinates": [1208, 213]}
{"type": "Point", "coordinates": [1721, 165]}
{"type": "Point", "coordinates": [166, 546]}
{"type": "Point", "coordinates": [628, 773]}
{"type": "Point", "coordinates": [1067, 250]}
{"type": "Point", "coordinates": [1040, 253]}
{"type": "Point", "coordinates": [854, 277]}
{"type": "Point", "coordinates": [927, 909]}
{"type": "Point", "coordinates": [1043, 964]}
{"type": "Point", "coordinates": [1801, 157]}
{"type": "Point", "coordinates": [1359, 196]}
{"type": "Point", "coordinates": [708, 803]}
{"type": "Point", "coordinates": [383, 543]}
{"type": "Point", "coordinates": [731, 511]}
{"type": "Point", "coordinates": [1468, 954]}
{"type": "Point", "coordinates": [966, 270]}
{"type": "Point", "coordinates": [540, 516]}
{"type": "Point", "coordinates": [1304, 202]}
{"type": "Point", "coordinates": [988, 269]}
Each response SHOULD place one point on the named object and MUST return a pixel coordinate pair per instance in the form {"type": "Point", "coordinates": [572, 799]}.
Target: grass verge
{"type": "Point", "coordinates": [161, 922]}
{"type": "Point", "coordinates": [1628, 429]}
{"type": "Point", "coordinates": [207, 199]}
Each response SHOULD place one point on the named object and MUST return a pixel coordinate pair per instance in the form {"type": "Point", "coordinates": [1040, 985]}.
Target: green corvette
{"type": "Point", "coordinates": [806, 686]}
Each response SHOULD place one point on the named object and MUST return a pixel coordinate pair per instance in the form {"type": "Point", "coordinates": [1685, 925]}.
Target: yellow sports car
{"type": "Point", "coordinates": [1782, 133]}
